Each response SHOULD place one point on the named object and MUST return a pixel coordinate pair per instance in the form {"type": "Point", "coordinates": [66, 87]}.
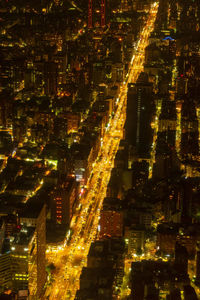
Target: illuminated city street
{"type": "Point", "coordinates": [99, 149]}
{"type": "Point", "coordinates": [72, 258]}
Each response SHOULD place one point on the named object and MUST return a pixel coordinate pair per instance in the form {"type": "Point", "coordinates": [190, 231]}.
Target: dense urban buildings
{"type": "Point", "coordinates": [99, 149]}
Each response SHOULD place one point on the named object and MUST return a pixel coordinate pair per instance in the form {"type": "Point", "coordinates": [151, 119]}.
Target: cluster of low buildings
{"type": "Point", "coordinates": [152, 197]}
{"type": "Point", "coordinates": [59, 87]}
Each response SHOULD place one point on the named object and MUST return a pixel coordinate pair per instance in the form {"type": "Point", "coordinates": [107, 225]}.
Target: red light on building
{"type": "Point", "coordinates": [89, 13]}
{"type": "Point", "coordinates": [111, 224]}
{"type": "Point", "coordinates": [103, 13]}
{"type": "Point", "coordinates": [63, 200]}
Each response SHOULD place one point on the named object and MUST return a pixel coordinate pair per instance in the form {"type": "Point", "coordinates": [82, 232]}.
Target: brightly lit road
{"type": "Point", "coordinates": [70, 260]}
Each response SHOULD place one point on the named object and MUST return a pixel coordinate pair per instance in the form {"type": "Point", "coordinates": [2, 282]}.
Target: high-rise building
{"type": "Point", "coordinates": [189, 130]}
{"type": "Point", "coordinates": [50, 78]}
{"type": "Point", "coordinates": [137, 281]}
{"type": "Point", "coordinates": [152, 53]}
{"type": "Point", "coordinates": [90, 13]}
{"type": "Point", "coordinates": [166, 158]}
{"type": "Point", "coordinates": [5, 271]}
{"type": "Point", "coordinates": [35, 247]}
{"type": "Point", "coordinates": [181, 261]}
{"type": "Point", "coordinates": [135, 236]}
{"type": "Point", "coordinates": [103, 13]}
{"type": "Point", "coordinates": [167, 118]}
{"type": "Point", "coordinates": [181, 86]}
{"type": "Point", "coordinates": [111, 219]}
{"type": "Point", "coordinates": [23, 266]}
{"type": "Point", "coordinates": [101, 8]}
{"type": "Point", "coordinates": [138, 132]}
{"type": "Point", "coordinates": [63, 200]}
